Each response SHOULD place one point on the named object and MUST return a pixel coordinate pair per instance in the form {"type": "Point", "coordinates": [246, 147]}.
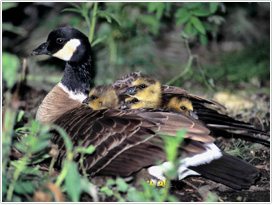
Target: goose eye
{"type": "Point", "coordinates": [183, 108]}
{"type": "Point", "coordinates": [143, 86]}
{"type": "Point", "coordinates": [135, 100]}
{"type": "Point", "coordinates": [59, 40]}
{"type": "Point", "coordinates": [93, 97]}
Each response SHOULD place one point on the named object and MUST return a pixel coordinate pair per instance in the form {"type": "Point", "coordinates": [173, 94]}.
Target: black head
{"type": "Point", "coordinates": [66, 43]}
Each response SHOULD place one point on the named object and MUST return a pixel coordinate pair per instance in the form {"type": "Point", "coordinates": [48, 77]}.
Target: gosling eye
{"type": "Point", "coordinates": [183, 108]}
{"type": "Point", "coordinates": [93, 97]}
{"type": "Point", "coordinates": [135, 100]}
{"type": "Point", "coordinates": [59, 41]}
{"type": "Point", "coordinates": [143, 86]}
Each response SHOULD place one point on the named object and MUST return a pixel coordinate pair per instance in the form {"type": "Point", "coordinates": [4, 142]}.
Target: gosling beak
{"type": "Point", "coordinates": [193, 114]}
{"type": "Point", "coordinates": [42, 49]}
{"type": "Point", "coordinates": [125, 106]}
{"type": "Point", "coordinates": [86, 100]}
{"type": "Point", "coordinates": [131, 91]}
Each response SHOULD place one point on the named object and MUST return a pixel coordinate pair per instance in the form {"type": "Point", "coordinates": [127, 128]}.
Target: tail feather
{"type": "Point", "coordinates": [225, 125]}
{"type": "Point", "coordinates": [247, 136]}
{"type": "Point", "coordinates": [229, 170]}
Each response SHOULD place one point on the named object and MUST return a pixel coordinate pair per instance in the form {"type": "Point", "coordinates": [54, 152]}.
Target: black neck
{"type": "Point", "coordinates": [77, 76]}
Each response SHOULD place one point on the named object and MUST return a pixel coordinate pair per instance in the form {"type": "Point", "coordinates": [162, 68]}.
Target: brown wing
{"type": "Point", "coordinates": [123, 83]}
{"type": "Point", "coordinates": [126, 141]}
{"type": "Point", "coordinates": [169, 91]}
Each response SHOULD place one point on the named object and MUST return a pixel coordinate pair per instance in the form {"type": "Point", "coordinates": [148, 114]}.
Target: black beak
{"type": "Point", "coordinates": [86, 100]}
{"type": "Point", "coordinates": [42, 49]}
{"type": "Point", "coordinates": [193, 114]}
{"type": "Point", "coordinates": [125, 106]}
{"type": "Point", "coordinates": [131, 91]}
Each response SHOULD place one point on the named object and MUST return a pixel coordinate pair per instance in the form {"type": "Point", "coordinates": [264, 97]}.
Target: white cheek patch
{"type": "Point", "coordinates": [68, 50]}
{"type": "Point", "coordinates": [75, 96]}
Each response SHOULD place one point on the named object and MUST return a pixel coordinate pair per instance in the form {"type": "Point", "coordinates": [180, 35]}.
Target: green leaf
{"type": "Point", "coordinates": [211, 82]}
{"type": "Point", "coordinates": [38, 145]}
{"type": "Point", "coordinates": [35, 126]}
{"type": "Point", "coordinates": [193, 5]}
{"type": "Point", "coordinates": [121, 185]}
{"type": "Point", "coordinates": [182, 15]}
{"type": "Point", "coordinates": [116, 19]}
{"type": "Point", "coordinates": [67, 140]}
{"type": "Point", "coordinates": [107, 191]}
{"type": "Point", "coordinates": [14, 29]}
{"type": "Point", "coordinates": [5, 184]}
{"type": "Point", "coordinates": [16, 198]}
{"type": "Point", "coordinates": [207, 26]}
{"type": "Point", "coordinates": [24, 187]}
{"type": "Point", "coordinates": [75, 5]}
{"type": "Point", "coordinates": [104, 14]}
{"type": "Point", "coordinates": [158, 7]}
{"type": "Point", "coordinates": [32, 170]}
{"type": "Point", "coordinates": [20, 115]}
{"type": "Point", "coordinates": [152, 7]}
{"type": "Point", "coordinates": [98, 40]}
{"type": "Point", "coordinates": [198, 25]}
{"type": "Point", "coordinates": [72, 179]}
{"type": "Point", "coordinates": [10, 64]}
{"type": "Point", "coordinates": [108, 16]}
{"type": "Point", "coordinates": [72, 10]}
{"type": "Point", "coordinates": [172, 198]}
{"type": "Point", "coordinates": [188, 28]}
{"type": "Point", "coordinates": [151, 22]}
{"type": "Point", "coordinates": [172, 144]}
{"type": "Point", "coordinates": [213, 7]}
{"type": "Point", "coordinates": [203, 39]}
{"type": "Point", "coordinates": [90, 149]}
{"type": "Point", "coordinates": [20, 147]}
{"type": "Point", "coordinates": [180, 136]}
{"type": "Point", "coordinates": [110, 182]}
{"type": "Point", "coordinates": [201, 12]}
{"type": "Point", "coordinates": [8, 5]}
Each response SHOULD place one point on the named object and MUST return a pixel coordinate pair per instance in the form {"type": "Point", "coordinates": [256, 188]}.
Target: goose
{"type": "Point", "coordinates": [126, 141]}
{"type": "Point", "coordinates": [173, 99]}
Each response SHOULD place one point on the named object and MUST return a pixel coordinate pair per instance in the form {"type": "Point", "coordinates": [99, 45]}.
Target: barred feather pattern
{"type": "Point", "coordinates": [128, 139]}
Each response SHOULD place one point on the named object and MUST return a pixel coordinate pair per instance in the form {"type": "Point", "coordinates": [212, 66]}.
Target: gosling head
{"type": "Point", "coordinates": [181, 105]}
{"type": "Point", "coordinates": [135, 103]}
{"type": "Point", "coordinates": [102, 97]}
{"type": "Point", "coordinates": [146, 89]}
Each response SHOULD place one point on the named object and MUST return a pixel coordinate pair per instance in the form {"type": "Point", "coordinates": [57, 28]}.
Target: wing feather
{"type": "Point", "coordinates": [126, 141]}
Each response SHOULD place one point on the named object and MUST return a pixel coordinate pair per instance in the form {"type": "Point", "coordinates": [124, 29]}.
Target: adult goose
{"type": "Point", "coordinates": [126, 141]}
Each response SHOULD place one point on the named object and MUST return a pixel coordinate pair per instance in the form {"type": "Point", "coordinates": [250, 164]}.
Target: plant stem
{"type": "Point", "coordinates": [186, 69]}
{"type": "Point", "coordinates": [93, 22]}
{"type": "Point", "coordinates": [16, 175]}
{"type": "Point", "coordinates": [203, 74]}
{"type": "Point", "coordinates": [61, 176]}
{"type": "Point", "coordinates": [165, 190]}
{"type": "Point", "coordinates": [82, 166]}
{"type": "Point", "coordinates": [51, 166]}
{"type": "Point", "coordinates": [188, 66]}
